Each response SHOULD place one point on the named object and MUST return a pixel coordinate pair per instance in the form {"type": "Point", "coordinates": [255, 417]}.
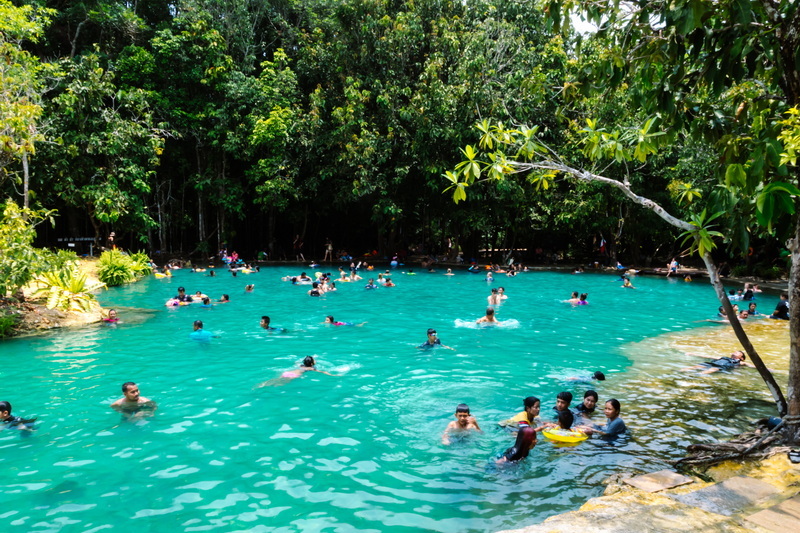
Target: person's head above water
{"type": "Point", "coordinates": [431, 332]}
{"type": "Point", "coordinates": [739, 355]}
{"type": "Point", "coordinates": [531, 401]}
{"type": "Point", "coordinates": [308, 361]}
{"type": "Point", "coordinates": [489, 311]}
{"type": "Point", "coordinates": [612, 408]}
{"type": "Point", "coordinates": [5, 408]}
{"type": "Point", "coordinates": [131, 391]}
{"type": "Point", "coordinates": [198, 324]}
{"type": "Point", "coordinates": [565, 419]}
{"type": "Point", "coordinates": [599, 376]}
{"type": "Point", "coordinates": [265, 321]}
{"type": "Point", "coordinates": [462, 408]}
{"type": "Point", "coordinates": [563, 399]}
{"type": "Point", "coordinates": [225, 298]}
{"type": "Point", "coordinates": [329, 319]}
{"type": "Point", "coordinates": [181, 289]}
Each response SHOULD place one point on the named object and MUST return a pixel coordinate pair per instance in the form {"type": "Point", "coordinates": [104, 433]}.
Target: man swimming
{"type": "Point", "coordinates": [464, 422]}
{"type": "Point", "coordinates": [8, 421]}
{"type": "Point", "coordinates": [132, 403]}
{"type": "Point", "coordinates": [432, 341]}
{"type": "Point", "coordinates": [488, 318]}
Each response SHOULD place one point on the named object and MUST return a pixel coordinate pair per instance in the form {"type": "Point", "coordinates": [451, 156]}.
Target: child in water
{"type": "Point", "coordinates": [308, 365]}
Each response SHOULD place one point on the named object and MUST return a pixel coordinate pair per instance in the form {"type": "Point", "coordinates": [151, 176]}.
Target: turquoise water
{"type": "Point", "coordinates": [360, 451]}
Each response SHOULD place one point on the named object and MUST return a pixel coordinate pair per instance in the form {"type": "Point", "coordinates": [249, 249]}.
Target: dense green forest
{"type": "Point", "coordinates": [187, 126]}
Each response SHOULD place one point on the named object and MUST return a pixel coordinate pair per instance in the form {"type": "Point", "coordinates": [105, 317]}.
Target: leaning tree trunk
{"type": "Point", "coordinates": [742, 337]}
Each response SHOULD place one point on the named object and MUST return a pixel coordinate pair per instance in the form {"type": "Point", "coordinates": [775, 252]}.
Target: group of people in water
{"type": "Point", "coordinates": [565, 424]}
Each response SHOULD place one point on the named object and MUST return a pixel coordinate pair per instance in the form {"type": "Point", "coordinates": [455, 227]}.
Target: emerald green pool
{"type": "Point", "coordinates": [360, 451]}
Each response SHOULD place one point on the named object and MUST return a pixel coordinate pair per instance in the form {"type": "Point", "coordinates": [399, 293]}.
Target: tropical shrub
{"type": "Point", "coordinates": [7, 323]}
{"type": "Point", "coordinates": [20, 262]}
{"type": "Point", "coordinates": [117, 268]}
{"type": "Point", "coordinates": [67, 289]}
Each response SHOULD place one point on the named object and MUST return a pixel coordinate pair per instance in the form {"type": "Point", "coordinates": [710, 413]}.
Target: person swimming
{"type": "Point", "coordinates": [489, 318]}
{"type": "Point", "coordinates": [112, 317]}
{"type": "Point", "coordinates": [329, 320]}
{"type": "Point", "coordinates": [526, 441]}
{"type": "Point", "coordinates": [308, 365]}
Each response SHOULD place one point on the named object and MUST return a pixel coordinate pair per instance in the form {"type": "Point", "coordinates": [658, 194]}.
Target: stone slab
{"type": "Point", "coordinates": [780, 518]}
{"type": "Point", "coordinates": [656, 481]}
{"type": "Point", "coordinates": [729, 497]}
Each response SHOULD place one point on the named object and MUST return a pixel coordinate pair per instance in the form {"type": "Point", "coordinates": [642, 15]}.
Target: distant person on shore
{"type": "Point", "coordinates": [735, 360]}
{"type": "Point", "coordinates": [328, 250]}
{"type": "Point", "coordinates": [8, 421]}
{"type": "Point", "coordinates": [526, 441]}
{"type": "Point", "coordinates": [433, 341]}
{"type": "Point", "coordinates": [132, 404]}
{"type": "Point", "coordinates": [782, 309]}
{"type": "Point", "coordinates": [489, 318]}
{"type": "Point", "coordinates": [530, 414]}
{"type": "Point", "coordinates": [672, 267]}
{"type": "Point", "coordinates": [463, 423]}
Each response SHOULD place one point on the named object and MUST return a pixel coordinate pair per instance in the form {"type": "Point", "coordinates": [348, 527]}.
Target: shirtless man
{"type": "Point", "coordinates": [489, 318]}
{"type": "Point", "coordinates": [463, 422]}
{"type": "Point", "coordinates": [494, 298]}
{"type": "Point", "coordinates": [132, 404]}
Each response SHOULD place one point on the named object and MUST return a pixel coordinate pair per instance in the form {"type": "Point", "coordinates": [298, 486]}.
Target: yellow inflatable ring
{"type": "Point", "coordinates": [564, 435]}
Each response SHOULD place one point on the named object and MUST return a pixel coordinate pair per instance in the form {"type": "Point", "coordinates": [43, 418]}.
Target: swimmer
{"type": "Point", "coordinates": [7, 421]}
{"type": "Point", "coordinates": [132, 404]}
{"type": "Point", "coordinates": [463, 423]}
{"type": "Point", "coordinates": [526, 441]}
{"type": "Point", "coordinates": [573, 299]}
{"type": "Point", "coordinates": [249, 288]}
{"type": "Point", "coordinates": [494, 297]}
{"type": "Point", "coordinates": [751, 309]}
{"type": "Point", "coordinates": [563, 399]}
{"type": "Point", "coordinates": [564, 421]}
{"type": "Point", "coordinates": [488, 318]}
{"type": "Point", "coordinates": [614, 425]}
{"type": "Point", "coordinates": [389, 283]}
{"type": "Point", "coordinates": [199, 334]}
{"type": "Point", "coordinates": [599, 376]}
{"type": "Point", "coordinates": [489, 276]}
{"type": "Point", "coordinates": [589, 402]}
{"type": "Point", "coordinates": [182, 296]}
{"type": "Point", "coordinates": [432, 341]}
{"type": "Point", "coordinates": [206, 302]}
{"type": "Point", "coordinates": [627, 284]}
{"type": "Point", "coordinates": [198, 297]}
{"type": "Point", "coordinates": [112, 317]}
{"type": "Point", "coordinates": [224, 299]}
{"type": "Point", "coordinates": [582, 299]}
{"type": "Point", "coordinates": [370, 284]}
{"type": "Point", "coordinates": [329, 320]}
{"type": "Point", "coordinates": [735, 360]}
{"type": "Point", "coordinates": [265, 320]}
{"type": "Point", "coordinates": [315, 290]}
{"type": "Point", "coordinates": [530, 414]}
{"type": "Point", "coordinates": [308, 365]}
{"type": "Point", "coordinates": [687, 278]}
{"type": "Point", "coordinates": [212, 274]}
{"type": "Point", "coordinates": [449, 272]}
{"type": "Point", "coordinates": [502, 292]}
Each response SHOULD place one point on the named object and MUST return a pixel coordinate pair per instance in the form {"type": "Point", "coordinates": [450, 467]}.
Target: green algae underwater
{"type": "Point", "coordinates": [360, 450]}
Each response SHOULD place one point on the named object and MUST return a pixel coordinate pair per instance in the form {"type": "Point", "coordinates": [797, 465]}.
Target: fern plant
{"type": "Point", "coordinates": [115, 268]}
{"type": "Point", "coordinates": [67, 290]}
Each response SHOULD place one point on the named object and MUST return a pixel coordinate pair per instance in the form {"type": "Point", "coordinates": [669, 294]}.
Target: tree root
{"type": "Point", "coordinates": [758, 444]}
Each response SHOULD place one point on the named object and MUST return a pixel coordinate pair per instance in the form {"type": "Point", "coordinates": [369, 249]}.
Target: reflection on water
{"type": "Point", "coordinates": [360, 451]}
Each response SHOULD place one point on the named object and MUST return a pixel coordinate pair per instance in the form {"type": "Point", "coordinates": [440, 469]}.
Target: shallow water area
{"type": "Point", "coordinates": [361, 450]}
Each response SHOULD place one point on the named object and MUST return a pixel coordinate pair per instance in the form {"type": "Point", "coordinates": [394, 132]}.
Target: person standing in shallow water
{"type": "Point", "coordinates": [132, 404]}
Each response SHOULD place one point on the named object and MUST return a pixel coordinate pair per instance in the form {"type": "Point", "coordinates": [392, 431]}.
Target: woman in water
{"type": "Point", "coordinates": [526, 441]}
{"type": "Point", "coordinates": [112, 317]}
{"type": "Point", "coordinates": [308, 365]}
{"type": "Point", "coordinates": [614, 426]}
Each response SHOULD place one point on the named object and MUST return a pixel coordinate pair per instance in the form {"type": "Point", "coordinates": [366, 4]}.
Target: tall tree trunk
{"type": "Point", "coordinates": [793, 389]}
{"type": "Point", "coordinates": [25, 179]}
